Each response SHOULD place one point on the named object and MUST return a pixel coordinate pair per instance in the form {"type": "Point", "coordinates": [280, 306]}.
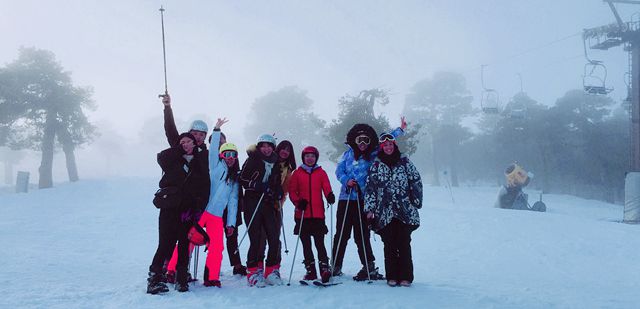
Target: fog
{"type": "Point", "coordinates": [222, 55]}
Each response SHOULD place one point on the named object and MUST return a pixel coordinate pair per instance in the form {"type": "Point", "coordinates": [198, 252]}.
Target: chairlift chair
{"type": "Point", "coordinates": [594, 78]}
{"type": "Point", "coordinates": [490, 101]}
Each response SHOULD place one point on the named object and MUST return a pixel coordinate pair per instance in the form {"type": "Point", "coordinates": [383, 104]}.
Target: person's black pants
{"type": "Point", "coordinates": [398, 263]}
{"type": "Point", "coordinates": [318, 240]}
{"type": "Point", "coordinates": [352, 222]}
{"type": "Point", "coordinates": [172, 229]}
{"type": "Point", "coordinates": [264, 220]}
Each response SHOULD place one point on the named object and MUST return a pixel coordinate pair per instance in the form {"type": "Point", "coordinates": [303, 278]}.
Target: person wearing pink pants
{"type": "Point", "coordinates": [223, 170]}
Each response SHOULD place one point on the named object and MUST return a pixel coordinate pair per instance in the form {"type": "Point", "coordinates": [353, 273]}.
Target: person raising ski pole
{"type": "Point", "coordinates": [352, 171]}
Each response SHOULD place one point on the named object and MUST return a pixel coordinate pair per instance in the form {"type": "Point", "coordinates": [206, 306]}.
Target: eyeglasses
{"type": "Point", "coordinates": [229, 154]}
{"type": "Point", "coordinates": [363, 139]}
{"type": "Point", "coordinates": [387, 137]}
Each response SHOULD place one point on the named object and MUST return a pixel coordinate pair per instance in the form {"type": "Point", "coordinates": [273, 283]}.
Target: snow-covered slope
{"type": "Point", "coordinates": [88, 245]}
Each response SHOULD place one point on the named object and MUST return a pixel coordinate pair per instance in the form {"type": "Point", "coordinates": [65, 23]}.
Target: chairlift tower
{"type": "Point", "coordinates": [628, 35]}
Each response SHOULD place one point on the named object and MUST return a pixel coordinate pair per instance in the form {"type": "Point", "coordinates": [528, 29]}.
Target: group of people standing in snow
{"type": "Point", "coordinates": [381, 190]}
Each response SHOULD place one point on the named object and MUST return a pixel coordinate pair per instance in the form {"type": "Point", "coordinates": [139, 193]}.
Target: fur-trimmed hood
{"type": "Point", "coordinates": [359, 129]}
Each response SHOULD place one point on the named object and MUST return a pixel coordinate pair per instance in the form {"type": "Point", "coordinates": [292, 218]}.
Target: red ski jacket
{"type": "Point", "coordinates": [309, 186]}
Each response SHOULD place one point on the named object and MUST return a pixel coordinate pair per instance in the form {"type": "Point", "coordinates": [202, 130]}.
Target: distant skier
{"type": "Point", "coordinates": [511, 195]}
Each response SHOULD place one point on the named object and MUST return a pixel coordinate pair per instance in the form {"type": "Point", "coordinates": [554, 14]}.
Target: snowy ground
{"type": "Point", "coordinates": [88, 245]}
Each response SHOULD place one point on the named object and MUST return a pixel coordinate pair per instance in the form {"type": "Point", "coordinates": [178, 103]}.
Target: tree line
{"type": "Point", "coordinates": [577, 145]}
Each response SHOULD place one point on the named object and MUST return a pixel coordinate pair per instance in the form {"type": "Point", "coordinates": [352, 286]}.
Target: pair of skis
{"type": "Point", "coordinates": [318, 283]}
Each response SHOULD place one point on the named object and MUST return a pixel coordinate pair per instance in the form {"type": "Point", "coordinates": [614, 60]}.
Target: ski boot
{"type": "Point", "coordinates": [405, 283]}
{"type": "Point", "coordinates": [325, 272]}
{"type": "Point", "coordinates": [156, 283]}
{"type": "Point", "coordinates": [337, 271]}
{"type": "Point", "coordinates": [272, 275]}
{"type": "Point", "coordinates": [182, 281]}
{"type": "Point", "coordinates": [311, 271]}
{"type": "Point", "coordinates": [182, 287]}
{"type": "Point", "coordinates": [171, 276]}
{"type": "Point", "coordinates": [366, 274]}
{"type": "Point", "coordinates": [239, 270]}
{"type": "Point", "coordinates": [255, 277]}
{"type": "Point", "coordinates": [215, 283]}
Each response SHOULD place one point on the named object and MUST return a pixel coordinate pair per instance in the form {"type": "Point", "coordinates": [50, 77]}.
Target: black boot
{"type": "Point", "coordinates": [366, 274]}
{"type": "Point", "coordinates": [182, 281]}
{"type": "Point", "coordinates": [156, 283]}
{"type": "Point", "coordinates": [311, 270]}
{"type": "Point", "coordinates": [337, 271]}
{"type": "Point", "coordinates": [325, 272]}
{"type": "Point", "coordinates": [240, 270]}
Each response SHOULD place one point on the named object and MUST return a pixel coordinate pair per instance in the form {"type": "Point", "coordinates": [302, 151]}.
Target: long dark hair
{"type": "Point", "coordinates": [362, 129]}
{"type": "Point", "coordinates": [233, 171]}
{"type": "Point", "coordinates": [292, 157]}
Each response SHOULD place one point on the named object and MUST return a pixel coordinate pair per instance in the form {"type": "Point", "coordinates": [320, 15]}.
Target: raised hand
{"type": "Point", "coordinates": [220, 122]}
{"type": "Point", "coordinates": [166, 99]}
{"type": "Point", "coordinates": [403, 123]}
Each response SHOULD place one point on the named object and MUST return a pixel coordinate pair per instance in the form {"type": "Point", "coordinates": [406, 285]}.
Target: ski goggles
{"type": "Point", "coordinates": [229, 154]}
{"type": "Point", "coordinates": [363, 139]}
{"type": "Point", "coordinates": [386, 137]}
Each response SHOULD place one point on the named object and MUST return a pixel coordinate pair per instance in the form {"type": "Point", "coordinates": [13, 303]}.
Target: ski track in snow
{"type": "Point", "coordinates": [89, 244]}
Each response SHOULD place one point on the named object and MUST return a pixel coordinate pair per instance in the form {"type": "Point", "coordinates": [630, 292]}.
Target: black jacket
{"type": "Point", "coordinates": [200, 152]}
{"type": "Point", "coordinates": [253, 171]}
{"type": "Point", "coordinates": [177, 172]}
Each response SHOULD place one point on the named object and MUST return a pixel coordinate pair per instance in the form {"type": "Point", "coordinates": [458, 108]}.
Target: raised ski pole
{"type": "Point", "coordinates": [344, 219]}
{"type": "Point", "coordinates": [284, 236]}
{"type": "Point", "coordinates": [295, 251]}
{"type": "Point", "coordinates": [364, 247]}
{"type": "Point", "coordinates": [164, 54]}
{"type": "Point", "coordinates": [250, 221]}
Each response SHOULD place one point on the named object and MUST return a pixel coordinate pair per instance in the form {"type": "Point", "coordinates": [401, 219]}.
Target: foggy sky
{"type": "Point", "coordinates": [222, 55]}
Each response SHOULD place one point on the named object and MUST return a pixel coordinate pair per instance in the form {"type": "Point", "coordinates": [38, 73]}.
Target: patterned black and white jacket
{"type": "Point", "coordinates": [393, 192]}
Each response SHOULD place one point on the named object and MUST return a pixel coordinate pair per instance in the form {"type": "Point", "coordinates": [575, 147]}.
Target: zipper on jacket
{"type": "Point", "coordinates": [310, 194]}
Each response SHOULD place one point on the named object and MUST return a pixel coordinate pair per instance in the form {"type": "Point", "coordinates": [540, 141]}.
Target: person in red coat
{"type": "Point", "coordinates": [307, 185]}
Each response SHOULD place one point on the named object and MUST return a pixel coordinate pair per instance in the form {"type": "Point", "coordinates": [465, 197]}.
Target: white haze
{"type": "Point", "coordinates": [222, 55]}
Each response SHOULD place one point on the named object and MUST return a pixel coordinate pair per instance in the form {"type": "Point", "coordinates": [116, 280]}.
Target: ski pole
{"type": "Point", "coordinates": [295, 251]}
{"type": "Point", "coordinates": [364, 247]}
{"type": "Point", "coordinates": [164, 54]}
{"type": "Point", "coordinates": [284, 236]}
{"type": "Point", "coordinates": [195, 263]}
{"type": "Point", "coordinates": [449, 186]}
{"type": "Point", "coordinates": [344, 219]}
{"type": "Point", "coordinates": [250, 221]}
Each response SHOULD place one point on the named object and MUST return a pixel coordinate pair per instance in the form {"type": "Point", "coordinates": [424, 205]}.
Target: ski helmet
{"type": "Point", "coordinates": [197, 235]}
{"type": "Point", "coordinates": [228, 147]}
{"type": "Point", "coordinates": [267, 138]}
{"type": "Point", "coordinates": [310, 149]}
{"type": "Point", "coordinates": [199, 125]}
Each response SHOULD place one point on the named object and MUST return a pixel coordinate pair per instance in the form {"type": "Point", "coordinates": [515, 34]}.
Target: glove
{"type": "Point", "coordinates": [302, 205]}
{"type": "Point", "coordinates": [331, 199]}
{"type": "Point", "coordinates": [370, 219]}
{"type": "Point", "coordinates": [230, 230]}
{"type": "Point", "coordinates": [260, 187]}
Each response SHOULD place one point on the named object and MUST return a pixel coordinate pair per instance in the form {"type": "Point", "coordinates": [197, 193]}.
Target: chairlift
{"type": "Point", "coordinates": [517, 111]}
{"type": "Point", "coordinates": [594, 78]}
{"type": "Point", "coordinates": [490, 99]}
{"type": "Point", "coordinates": [595, 75]}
